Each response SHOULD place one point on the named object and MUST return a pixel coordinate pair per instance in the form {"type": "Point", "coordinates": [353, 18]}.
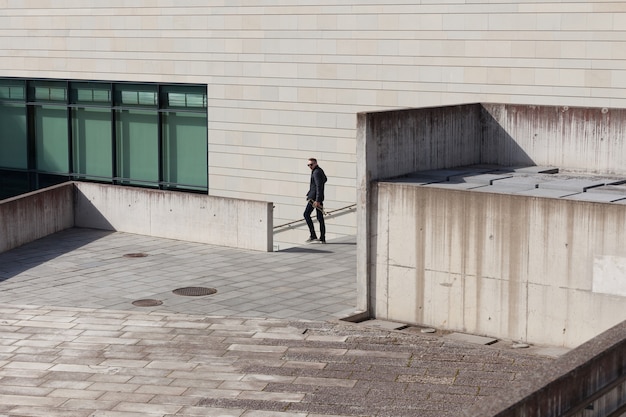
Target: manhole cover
{"type": "Point", "coordinates": [147, 303]}
{"type": "Point", "coordinates": [194, 291]}
{"type": "Point", "coordinates": [135, 255]}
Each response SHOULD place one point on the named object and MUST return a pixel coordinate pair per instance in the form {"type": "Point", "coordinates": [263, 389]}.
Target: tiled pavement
{"type": "Point", "coordinates": [90, 268]}
{"type": "Point", "coordinates": [266, 344]}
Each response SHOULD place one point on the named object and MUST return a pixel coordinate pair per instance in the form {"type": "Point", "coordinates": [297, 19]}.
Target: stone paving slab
{"type": "Point", "coordinates": [73, 344]}
{"type": "Point", "coordinates": [87, 268]}
{"type": "Point", "coordinates": [127, 363]}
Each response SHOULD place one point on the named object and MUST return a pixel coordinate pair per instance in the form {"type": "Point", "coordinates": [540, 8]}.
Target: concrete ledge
{"type": "Point", "coordinates": [34, 215]}
{"type": "Point", "coordinates": [591, 376]}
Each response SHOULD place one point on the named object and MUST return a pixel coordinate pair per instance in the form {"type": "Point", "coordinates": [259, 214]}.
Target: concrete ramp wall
{"type": "Point", "coordinates": [199, 218]}
{"type": "Point", "coordinates": [35, 215]}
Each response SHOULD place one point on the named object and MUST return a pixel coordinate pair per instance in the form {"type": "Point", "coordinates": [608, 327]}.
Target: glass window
{"type": "Point", "coordinates": [92, 143]}
{"type": "Point", "coordinates": [91, 93]}
{"type": "Point", "coordinates": [114, 132]}
{"type": "Point", "coordinates": [185, 149]}
{"type": "Point", "coordinates": [137, 146]}
{"type": "Point", "coordinates": [133, 95]}
{"type": "Point", "coordinates": [55, 91]}
{"type": "Point", "coordinates": [51, 138]}
{"type": "Point", "coordinates": [183, 97]}
{"type": "Point", "coordinates": [12, 90]}
{"type": "Point", "coordinates": [13, 139]}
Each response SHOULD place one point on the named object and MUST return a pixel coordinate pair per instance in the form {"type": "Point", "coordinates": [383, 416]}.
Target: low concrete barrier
{"type": "Point", "coordinates": [587, 381]}
{"type": "Point", "coordinates": [199, 218]}
{"type": "Point", "coordinates": [34, 215]}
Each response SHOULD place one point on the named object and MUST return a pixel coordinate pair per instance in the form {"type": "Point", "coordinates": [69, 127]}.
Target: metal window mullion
{"type": "Point", "coordinates": [159, 137]}
{"type": "Point", "coordinates": [114, 173]}
{"type": "Point", "coordinates": [31, 149]}
{"type": "Point", "coordinates": [70, 145]}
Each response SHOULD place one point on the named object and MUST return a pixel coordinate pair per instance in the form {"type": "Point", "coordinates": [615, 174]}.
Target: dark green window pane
{"type": "Point", "coordinates": [51, 138]}
{"type": "Point", "coordinates": [91, 93]}
{"type": "Point", "coordinates": [48, 91]}
{"type": "Point", "coordinates": [136, 95]}
{"type": "Point", "coordinates": [184, 97]}
{"type": "Point", "coordinates": [91, 141]}
{"type": "Point", "coordinates": [185, 149]}
{"type": "Point", "coordinates": [137, 146]}
{"type": "Point", "coordinates": [139, 98]}
{"type": "Point", "coordinates": [13, 144]}
{"type": "Point", "coordinates": [12, 90]}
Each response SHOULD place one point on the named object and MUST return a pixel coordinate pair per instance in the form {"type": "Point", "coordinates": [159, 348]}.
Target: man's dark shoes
{"type": "Point", "coordinates": [311, 239]}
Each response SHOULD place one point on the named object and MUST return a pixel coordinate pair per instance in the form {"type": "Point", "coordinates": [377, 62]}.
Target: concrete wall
{"type": "Point", "coordinates": [35, 215]}
{"type": "Point", "coordinates": [398, 142]}
{"type": "Point", "coordinates": [285, 79]}
{"type": "Point", "coordinates": [589, 381]}
{"type": "Point", "coordinates": [501, 265]}
{"type": "Point", "coordinates": [183, 216]}
{"type": "Point", "coordinates": [584, 139]}
{"type": "Point", "coordinates": [521, 268]}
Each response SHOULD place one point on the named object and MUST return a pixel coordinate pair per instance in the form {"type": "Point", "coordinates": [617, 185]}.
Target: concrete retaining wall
{"type": "Point", "coordinates": [589, 381]}
{"type": "Point", "coordinates": [583, 139]}
{"type": "Point", "coordinates": [35, 215]}
{"type": "Point", "coordinates": [192, 217]}
{"type": "Point", "coordinates": [521, 268]}
{"type": "Point", "coordinates": [394, 143]}
{"type": "Point", "coordinates": [506, 266]}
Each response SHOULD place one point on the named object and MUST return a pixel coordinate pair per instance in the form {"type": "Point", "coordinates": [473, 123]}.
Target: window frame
{"type": "Point", "coordinates": [114, 96]}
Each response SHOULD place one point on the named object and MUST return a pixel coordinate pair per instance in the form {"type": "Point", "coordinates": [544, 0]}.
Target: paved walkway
{"type": "Point", "coordinates": [72, 344]}
{"type": "Point", "coordinates": [90, 268]}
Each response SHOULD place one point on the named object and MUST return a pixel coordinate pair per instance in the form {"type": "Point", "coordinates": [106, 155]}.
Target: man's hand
{"type": "Point", "coordinates": [316, 204]}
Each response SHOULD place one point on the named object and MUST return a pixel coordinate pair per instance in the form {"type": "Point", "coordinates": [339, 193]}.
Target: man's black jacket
{"type": "Point", "coordinates": [316, 190]}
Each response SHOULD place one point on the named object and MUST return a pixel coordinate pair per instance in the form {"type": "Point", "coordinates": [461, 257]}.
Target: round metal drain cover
{"type": "Point", "coordinates": [135, 255]}
{"type": "Point", "coordinates": [147, 303]}
{"type": "Point", "coordinates": [194, 291]}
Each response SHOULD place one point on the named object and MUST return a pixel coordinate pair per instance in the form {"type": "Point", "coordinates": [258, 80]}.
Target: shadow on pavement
{"type": "Point", "coordinates": [18, 260]}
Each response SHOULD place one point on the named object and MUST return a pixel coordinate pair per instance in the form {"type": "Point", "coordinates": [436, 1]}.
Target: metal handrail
{"type": "Point", "coordinates": [328, 214]}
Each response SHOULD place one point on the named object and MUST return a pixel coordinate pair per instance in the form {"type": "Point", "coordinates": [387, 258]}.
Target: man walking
{"type": "Point", "coordinates": [315, 201]}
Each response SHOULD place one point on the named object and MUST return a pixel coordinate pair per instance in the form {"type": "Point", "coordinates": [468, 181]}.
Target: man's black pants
{"type": "Point", "coordinates": [320, 218]}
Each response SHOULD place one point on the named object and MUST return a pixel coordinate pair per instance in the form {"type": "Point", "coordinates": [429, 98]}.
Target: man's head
{"type": "Point", "coordinates": [312, 163]}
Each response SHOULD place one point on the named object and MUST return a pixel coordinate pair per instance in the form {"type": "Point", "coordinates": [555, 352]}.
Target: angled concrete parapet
{"type": "Point", "coordinates": [587, 381]}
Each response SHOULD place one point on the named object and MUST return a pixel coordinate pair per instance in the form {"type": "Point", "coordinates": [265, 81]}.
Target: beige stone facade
{"type": "Point", "coordinates": [286, 79]}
